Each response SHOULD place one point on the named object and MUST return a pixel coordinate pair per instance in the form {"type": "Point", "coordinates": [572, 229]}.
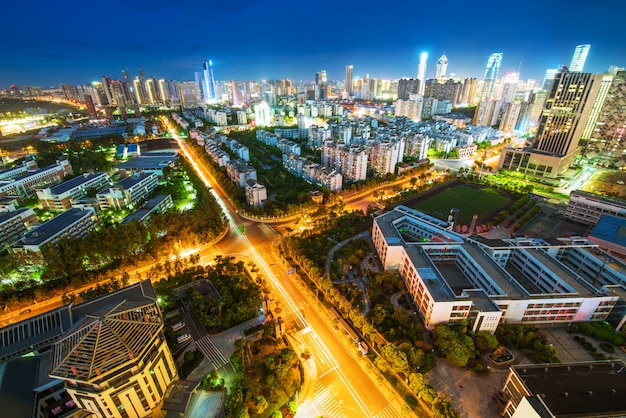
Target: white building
{"type": "Point", "coordinates": [256, 193]}
{"type": "Point", "coordinates": [452, 278]}
{"type": "Point", "coordinates": [588, 208]}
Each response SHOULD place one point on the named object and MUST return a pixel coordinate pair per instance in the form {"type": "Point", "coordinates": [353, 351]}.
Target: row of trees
{"type": "Point", "coordinates": [403, 359]}
{"type": "Point", "coordinates": [112, 249]}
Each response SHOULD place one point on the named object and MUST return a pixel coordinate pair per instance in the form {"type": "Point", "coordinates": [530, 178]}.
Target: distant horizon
{"type": "Point", "coordinates": [285, 39]}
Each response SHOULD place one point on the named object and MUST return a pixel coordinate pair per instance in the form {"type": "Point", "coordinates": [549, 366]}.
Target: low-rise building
{"type": "Point", "coordinates": [26, 184]}
{"type": "Point", "coordinates": [158, 204]}
{"type": "Point", "coordinates": [587, 208]}
{"type": "Point", "coordinates": [240, 171]}
{"type": "Point", "coordinates": [149, 163]}
{"type": "Point", "coordinates": [72, 223]}
{"type": "Point", "coordinates": [452, 278]}
{"type": "Point", "coordinates": [256, 193]}
{"type": "Point", "coordinates": [128, 192]}
{"type": "Point", "coordinates": [15, 223]}
{"type": "Point", "coordinates": [587, 389]}
{"type": "Point", "coordinates": [64, 195]}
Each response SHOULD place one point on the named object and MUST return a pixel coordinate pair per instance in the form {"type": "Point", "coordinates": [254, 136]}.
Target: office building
{"type": "Point", "coordinates": [562, 123]}
{"type": "Point", "coordinates": [128, 192]}
{"type": "Point", "coordinates": [442, 67]}
{"type": "Point", "coordinates": [348, 88]}
{"type": "Point", "coordinates": [421, 72]}
{"type": "Point", "coordinates": [209, 81]}
{"type": "Point", "coordinates": [64, 195]}
{"type": "Point", "coordinates": [548, 79]}
{"type": "Point", "coordinates": [453, 278]}
{"type": "Point", "coordinates": [578, 59]}
{"type": "Point", "coordinates": [598, 104]}
{"type": "Point", "coordinates": [491, 75]}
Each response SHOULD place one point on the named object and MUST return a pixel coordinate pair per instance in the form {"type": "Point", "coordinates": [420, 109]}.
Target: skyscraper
{"type": "Point", "coordinates": [320, 77]}
{"type": "Point", "coordinates": [442, 67]}
{"type": "Point", "coordinates": [566, 111]}
{"type": "Point", "coordinates": [579, 58]}
{"type": "Point", "coordinates": [609, 136]}
{"type": "Point", "coordinates": [421, 72]}
{"type": "Point", "coordinates": [209, 81]}
{"type": "Point", "coordinates": [491, 74]}
{"type": "Point", "coordinates": [348, 83]}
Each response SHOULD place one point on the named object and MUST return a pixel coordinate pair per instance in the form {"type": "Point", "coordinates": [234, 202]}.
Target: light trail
{"type": "Point", "coordinates": [262, 264]}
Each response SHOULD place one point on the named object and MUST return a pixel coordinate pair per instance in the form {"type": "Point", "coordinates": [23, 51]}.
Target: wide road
{"type": "Point", "coordinates": [341, 387]}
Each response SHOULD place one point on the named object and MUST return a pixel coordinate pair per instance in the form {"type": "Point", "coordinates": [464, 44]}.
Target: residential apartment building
{"type": "Point", "coordinates": [588, 208]}
{"type": "Point", "coordinates": [256, 193]}
{"type": "Point", "coordinates": [313, 173]}
{"type": "Point", "coordinates": [15, 223]}
{"type": "Point", "coordinates": [128, 192]}
{"type": "Point", "coordinates": [73, 223]}
{"type": "Point", "coordinates": [239, 171]}
{"type": "Point", "coordinates": [383, 156]}
{"type": "Point", "coordinates": [351, 162]}
{"type": "Point", "coordinates": [453, 278]}
{"type": "Point", "coordinates": [64, 195]}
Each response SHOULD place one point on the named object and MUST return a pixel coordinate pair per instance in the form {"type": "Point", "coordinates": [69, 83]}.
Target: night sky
{"type": "Point", "coordinates": [77, 41]}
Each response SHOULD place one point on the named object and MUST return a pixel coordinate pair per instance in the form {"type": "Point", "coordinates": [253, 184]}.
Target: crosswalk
{"type": "Point", "coordinates": [387, 412]}
{"type": "Point", "coordinates": [327, 404]}
{"type": "Point", "coordinates": [211, 352]}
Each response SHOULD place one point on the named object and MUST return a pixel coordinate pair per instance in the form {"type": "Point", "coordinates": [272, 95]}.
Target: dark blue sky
{"type": "Point", "coordinates": [78, 41]}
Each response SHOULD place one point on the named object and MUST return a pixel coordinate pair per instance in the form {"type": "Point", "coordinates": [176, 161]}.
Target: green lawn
{"type": "Point", "coordinates": [470, 202]}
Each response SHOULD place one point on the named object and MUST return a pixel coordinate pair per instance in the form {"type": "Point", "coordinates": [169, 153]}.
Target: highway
{"type": "Point", "coordinates": [341, 387]}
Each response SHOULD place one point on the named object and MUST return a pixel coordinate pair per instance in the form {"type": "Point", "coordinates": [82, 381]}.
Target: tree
{"type": "Point", "coordinates": [259, 404]}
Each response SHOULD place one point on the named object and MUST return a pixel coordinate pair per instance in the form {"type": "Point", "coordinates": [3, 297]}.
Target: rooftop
{"type": "Point", "coordinates": [5, 216]}
{"type": "Point", "coordinates": [146, 162]}
{"type": "Point", "coordinates": [578, 389]}
{"type": "Point", "coordinates": [75, 182]}
{"type": "Point", "coordinates": [130, 182]}
{"type": "Point", "coordinates": [49, 229]}
{"type": "Point", "coordinates": [604, 199]}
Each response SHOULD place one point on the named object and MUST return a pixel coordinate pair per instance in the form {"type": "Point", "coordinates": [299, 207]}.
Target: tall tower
{"type": "Point", "coordinates": [442, 67]}
{"type": "Point", "coordinates": [320, 77]}
{"type": "Point", "coordinates": [566, 112]}
{"type": "Point", "coordinates": [348, 83]}
{"type": "Point", "coordinates": [209, 81]}
{"type": "Point", "coordinates": [609, 135]}
{"type": "Point", "coordinates": [491, 74]}
{"type": "Point", "coordinates": [421, 72]}
{"type": "Point", "coordinates": [579, 58]}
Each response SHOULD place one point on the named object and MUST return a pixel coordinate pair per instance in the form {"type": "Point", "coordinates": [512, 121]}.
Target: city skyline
{"type": "Point", "coordinates": [282, 39]}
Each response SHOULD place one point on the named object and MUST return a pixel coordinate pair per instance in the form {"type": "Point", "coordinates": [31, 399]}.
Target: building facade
{"type": "Point", "coordinates": [588, 208]}
{"type": "Point", "coordinates": [62, 196]}
{"type": "Point", "coordinates": [128, 192]}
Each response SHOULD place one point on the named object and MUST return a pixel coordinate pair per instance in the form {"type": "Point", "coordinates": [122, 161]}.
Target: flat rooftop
{"type": "Point", "coordinates": [578, 389]}
{"type": "Point", "coordinates": [5, 216]}
{"type": "Point", "coordinates": [49, 229]}
{"type": "Point", "coordinates": [131, 181]}
{"type": "Point", "coordinates": [147, 162]}
{"type": "Point", "coordinates": [561, 272]}
{"type": "Point", "coordinates": [613, 201]}
{"type": "Point", "coordinates": [75, 182]}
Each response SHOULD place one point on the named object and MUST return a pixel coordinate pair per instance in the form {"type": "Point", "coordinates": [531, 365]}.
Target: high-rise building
{"type": "Point", "coordinates": [421, 72]}
{"type": "Point", "coordinates": [609, 135]}
{"type": "Point", "coordinates": [407, 87]}
{"type": "Point", "coordinates": [579, 58]}
{"type": "Point", "coordinates": [548, 79]}
{"type": "Point", "coordinates": [491, 75]}
{"type": "Point", "coordinates": [348, 82]}
{"type": "Point", "coordinates": [509, 87]}
{"type": "Point", "coordinates": [562, 123]}
{"type": "Point", "coordinates": [442, 67]}
{"type": "Point", "coordinates": [320, 77]}
{"type": "Point", "coordinates": [209, 81]}
{"type": "Point", "coordinates": [106, 86]}
{"type": "Point", "coordinates": [236, 94]}
{"type": "Point", "coordinates": [442, 89]}
{"type": "Point", "coordinates": [509, 117]}
{"type": "Point", "coordinates": [597, 106]}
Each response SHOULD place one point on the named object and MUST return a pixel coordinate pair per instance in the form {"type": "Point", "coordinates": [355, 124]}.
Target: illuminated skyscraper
{"type": "Point", "coordinates": [421, 72]}
{"type": "Point", "coordinates": [348, 83]}
{"type": "Point", "coordinates": [491, 75]}
{"type": "Point", "coordinates": [209, 81]}
{"type": "Point", "coordinates": [579, 58]}
{"type": "Point", "coordinates": [442, 67]}
{"type": "Point", "coordinates": [548, 79]}
{"type": "Point", "coordinates": [320, 77]}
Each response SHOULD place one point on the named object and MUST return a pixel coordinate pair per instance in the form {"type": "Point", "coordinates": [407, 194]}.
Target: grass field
{"type": "Point", "coordinates": [470, 202]}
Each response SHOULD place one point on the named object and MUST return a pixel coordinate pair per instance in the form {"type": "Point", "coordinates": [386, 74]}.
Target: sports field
{"type": "Point", "coordinates": [470, 201]}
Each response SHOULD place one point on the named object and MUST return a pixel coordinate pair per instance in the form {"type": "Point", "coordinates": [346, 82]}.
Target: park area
{"type": "Point", "coordinates": [469, 200]}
